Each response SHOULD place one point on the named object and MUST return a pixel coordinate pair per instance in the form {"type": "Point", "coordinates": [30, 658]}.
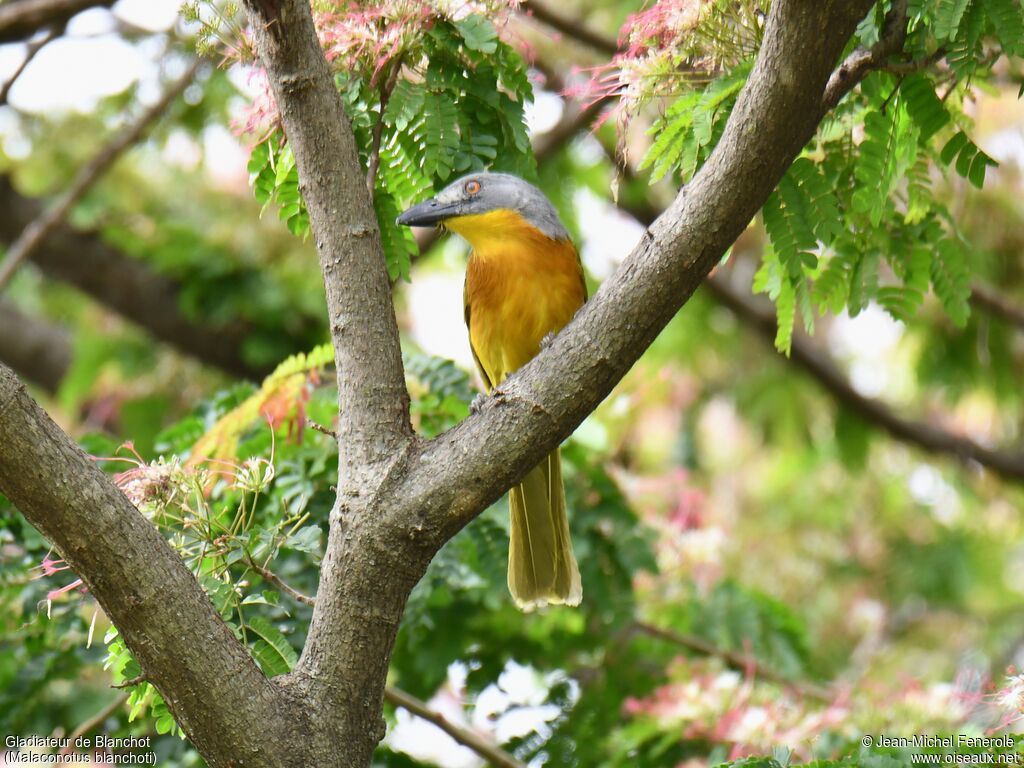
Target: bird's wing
{"type": "Point", "coordinates": [476, 358]}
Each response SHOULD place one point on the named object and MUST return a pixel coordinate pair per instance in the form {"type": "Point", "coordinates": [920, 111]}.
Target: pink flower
{"type": "Point", "coordinates": [66, 588]}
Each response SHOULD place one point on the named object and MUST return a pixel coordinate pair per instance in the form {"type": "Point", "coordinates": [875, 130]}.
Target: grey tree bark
{"type": "Point", "coordinates": [399, 497]}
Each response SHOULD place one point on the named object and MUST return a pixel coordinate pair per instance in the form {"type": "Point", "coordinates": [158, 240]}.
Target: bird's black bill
{"type": "Point", "coordinates": [427, 213]}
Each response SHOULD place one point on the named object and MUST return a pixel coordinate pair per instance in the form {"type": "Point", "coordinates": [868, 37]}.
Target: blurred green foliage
{"type": "Point", "coordinates": [717, 494]}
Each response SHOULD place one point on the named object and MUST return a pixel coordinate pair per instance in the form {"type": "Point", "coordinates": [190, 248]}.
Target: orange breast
{"type": "Point", "coordinates": [519, 289]}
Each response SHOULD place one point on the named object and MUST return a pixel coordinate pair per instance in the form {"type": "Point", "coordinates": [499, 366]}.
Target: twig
{"type": "Point", "coordinates": [819, 365]}
{"type": "Point", "coordinates": [278, 582]}
{"type": "Point", "coordinates": [373, 164]}
{"type": "Point", "coordinates": [858, 64]}
{"type": "Point", "coordinates": [95, 721]}
{"type": "Point", "coordinates": [489, 752]}
{"type": "Point", "coordinates": [37, 231]}
{"type": "Point", "coordinates": [915, 65]}
{"type": "Point", "coordinates": [739, 661]}
{"type": "Point", "coordinates": [987, 299]}
{"type": "Point", "coordinates": [924, 435]}
{"type": "Point", "coordinates": [570, 27]}
{"type": "Point", "coordinates": [33, 49]}
{"type": "Point", "coordinates": [317, 427]}
{"type": "Point", "coordinates": [141, 678]}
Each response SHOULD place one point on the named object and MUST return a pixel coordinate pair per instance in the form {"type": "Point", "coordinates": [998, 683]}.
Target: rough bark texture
{"type": "Point", "coordinates": [365, 576]}
{"type": "Point", "coordinates": [208, 679]}
{"type": "Point", "coordinates": [400, 498]}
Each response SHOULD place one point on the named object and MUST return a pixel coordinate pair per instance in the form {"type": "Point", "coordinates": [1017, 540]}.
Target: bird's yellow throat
{"type": "Point", "coordinates": [486, 231]}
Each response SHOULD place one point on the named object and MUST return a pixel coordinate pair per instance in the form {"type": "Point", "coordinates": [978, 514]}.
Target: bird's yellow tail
{"type": "Point", "coordinates": [541, 566]}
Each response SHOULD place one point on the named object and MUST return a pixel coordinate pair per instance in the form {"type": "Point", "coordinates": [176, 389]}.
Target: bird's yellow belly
{"type": "Point", "coordinates": [514, 298]}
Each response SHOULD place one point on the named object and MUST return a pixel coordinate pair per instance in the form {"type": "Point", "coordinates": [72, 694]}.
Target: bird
{"type": "Point", "coordinates": [524, 283]}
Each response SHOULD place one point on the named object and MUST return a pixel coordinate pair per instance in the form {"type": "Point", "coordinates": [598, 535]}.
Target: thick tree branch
{"type": "Point", "coordinates": [571, 28]}
{"type": "Point", "coordinates": [492, 754]}
{"type": "Point", "coordinates": [925, 435]}
{"type": "Point", "coordinates": [125, 285]}
{"type": "Point", "coordinates": [208, 679]}
{"type": "Point", "coordinates": [407, 701]}
{"type": "Point", "coordinates": [365, 577]}
{"type": "Point", "coordinates": [985, 298]}
{"type": "Point", "coordinates": [372, 399]}
{"type": "Point", "coordinates": [40, 351]}
{"type": "Point", "coordinates": [24, 18]}
{"type": "Point", "coordinates": [775, 115]}
{"type": "Point", "coordinates": [36, 232]}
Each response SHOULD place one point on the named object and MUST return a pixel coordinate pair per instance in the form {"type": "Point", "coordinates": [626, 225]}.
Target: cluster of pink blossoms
{"type": "Point", "coordinates": [366, 38]}
{"type": "Point", "coordinates": [670, 45]}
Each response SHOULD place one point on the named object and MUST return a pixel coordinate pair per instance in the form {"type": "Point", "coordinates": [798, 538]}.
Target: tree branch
{"type": "Point", "coordinates": [24, 18]}
{"type": "Point", "coordinates": [571, 28]}
{"type": "Point", "coordinates": [985, 298]}
{"type": "Point", "coordinates": [208, 679]}
{"type": "Point", "coordinates": [278, 582]}
{"type": "Point", "coordinates": [39, 350]}
{"type": "Point", "coordinates": [387, 85]}
{"type": "Point", "coordinates": [922, 434]}
{"type": "Point", "coordinates": [365, 576]}
{"type": "Point", "coordinates": [36, 232]}
{"type": "Point", "coordinates": [739, 661]}
{"type": "Point", "coordinates": [818, 365]}
{"type": "Point", "coordinates": [127, 286]}
{"type": "Point", "coordinates": [775, 116]}
{"type": "Point", "coordinates": [94, 722]}
{"type": "Point", "coordinates": [861, 62]}
{"type": "Point", "coordinates": [492, 754]}
{"type": "Point", "coordinates": [407, 701]}
{"type": "Point", "coordinates": [30, 53]}
{"type": "Point", "coordinates": [372, 400]}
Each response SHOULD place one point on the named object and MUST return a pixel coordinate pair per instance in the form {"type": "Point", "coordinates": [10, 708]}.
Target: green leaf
{"type": "Point", "coordinates": [271, 649]}
{"type": "Point", "coordinates": [951, 279]}
{"type": "Point", "coordinates": [971, 161]}
{"type": "Point", "coordinates": [404, 104]}
{"type": "Point", "coordinates": [259, 158]}
{"type": "Point", "coordinates": [478, 33]}
{"type": "Point", "coordinates": [306, 539]}
{"type": "Point", "coordinates": [948, 14]}
{"type": "Point", "coordinates": [953, 147]}
{"type": "Point", "coordinates": [924, 107]}
{"type": "Point", "coordinates": [785, 316]}
{"type": "Point", "coordinates": [398, 242]}
{"type": "Point", "coordinates": [1008, 22]}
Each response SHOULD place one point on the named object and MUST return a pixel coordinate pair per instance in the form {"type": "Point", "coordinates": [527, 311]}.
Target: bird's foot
{"type": "Point", "coordinates": [547, 340]}
{"type": "Point", "coordinates": [477, 404]}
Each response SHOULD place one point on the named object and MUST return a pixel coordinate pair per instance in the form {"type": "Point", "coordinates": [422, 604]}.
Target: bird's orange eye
{"type": "Point", "coordinates": [472, 187]}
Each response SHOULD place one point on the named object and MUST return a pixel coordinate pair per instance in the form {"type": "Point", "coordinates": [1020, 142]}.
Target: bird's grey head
{"type": "Point", "coordinates": [479, 193]}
